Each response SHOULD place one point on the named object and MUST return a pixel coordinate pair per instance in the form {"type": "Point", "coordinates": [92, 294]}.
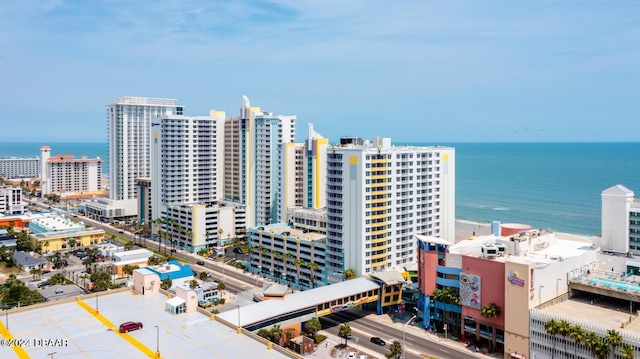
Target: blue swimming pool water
{"type": "Point", "coordinates": [616, 284]}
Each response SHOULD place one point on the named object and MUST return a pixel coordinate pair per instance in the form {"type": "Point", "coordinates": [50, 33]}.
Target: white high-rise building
{"type": "Point", "coordinates": [186, 154]}
{"type": "Point", "coordinates": [68, 176]}
{"type": "Point", "coordinates": [14, 167]}
{"type": "Point", "coordinates": [271, 134]}
{"type": "Point", "coordinates": [252, 148]}
{"type": "Point", "coordinates": [303, 173]}
{"type": "Point", "coordinates": [129, 127]}
{"type": "Point", "coordinates": [621, 223]}
{"type": "Point", "coordinates": [379, 196]}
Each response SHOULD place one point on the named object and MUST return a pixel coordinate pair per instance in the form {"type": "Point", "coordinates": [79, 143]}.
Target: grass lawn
{"type": "Point", "coordinates": [8, 270]}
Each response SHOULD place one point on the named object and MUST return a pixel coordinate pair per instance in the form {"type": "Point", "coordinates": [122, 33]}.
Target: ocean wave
{"type": "Point", "coordinates": [500, 209]}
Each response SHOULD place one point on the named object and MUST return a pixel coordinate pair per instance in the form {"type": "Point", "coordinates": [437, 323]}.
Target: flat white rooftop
{"type": "Point", "coordinates": [191, 335]}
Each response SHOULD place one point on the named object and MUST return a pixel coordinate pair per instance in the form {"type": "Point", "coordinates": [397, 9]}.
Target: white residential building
{"type": "Point", "coordinates": [14, 167]}
{"type": "Point", "coordinates": [129, 126]}
{"type": "Point", "coordinates": [68, 176]}
{"type": "Point", "coordinates": [272, 134]}
{"type": "Point", "coordinates": [252, 148]}
{"type": "Point", "coordinates": [11, 200]}
{"type": "Point", "coordinates": [186, 160]}
{"type": "Point", "coordinates": [379, 196]}
{"type": "Point", "coordinates": [303, 173]}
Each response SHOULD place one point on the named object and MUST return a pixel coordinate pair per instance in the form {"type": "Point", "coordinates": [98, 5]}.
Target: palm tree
{"type": "Point", "coordinates": [345, 332]}
{"type": "Point", "coordinates": [627, 352]}
{"type": "Point", "coordinates": [298, 262]}
{"type": "Point", "coordinates": [591, 340]}
{"type": "Point", "coordinates": [265, 333]}
{"type": "Point", "coordinates": [578, 335]}
{"type": "Point", "coordinates": [313, 325]}
{"type": "Point", "coordinates": [551, 326]}
{"type": "Point", "coordinates": [602, 349]}
{"type": "Point", "coordinates": [313, 267]}
{"type": "Point", "coordinates": [348, 273]}
{"type": "Point", "coordinates": [276, 333]}
{"type": "Point", "coordinates": [614, 339]}
{"type": "Point", "coordinates": [395, 350]}
{"type": "Point", "coordinates": [564, 328]}
{"type": "Point", "coordinates": [193, 284]}
{"type": "Point", "coordinates": [203, 276]}
{"type": "Point", "coordinates": [46, 246]}
{"type": "Point", "coordinates": [221, 287]}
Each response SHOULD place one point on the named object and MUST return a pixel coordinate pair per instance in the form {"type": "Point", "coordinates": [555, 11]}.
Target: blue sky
{"type": "Point", "coordinates": [415, 71]}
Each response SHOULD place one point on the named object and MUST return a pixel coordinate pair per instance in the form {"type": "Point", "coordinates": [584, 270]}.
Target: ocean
{"type": "Point", "coordinates": [546, 185]}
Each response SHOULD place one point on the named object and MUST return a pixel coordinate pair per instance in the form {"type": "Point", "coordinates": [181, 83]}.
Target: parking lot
{"type": "Point", "coordinates": [83, 335]}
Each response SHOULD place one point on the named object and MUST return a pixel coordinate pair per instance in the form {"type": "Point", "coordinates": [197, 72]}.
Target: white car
{"type": "Point", "coordinates": [352, 355]}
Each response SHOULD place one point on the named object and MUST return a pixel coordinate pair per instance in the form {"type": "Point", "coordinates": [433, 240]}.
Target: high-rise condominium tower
{"type": "Point", "coordinates": [186, 155]}
{"type": "Point", "coordinates": [129, 127]}
{"type": "Point", "coordinates": [379, 196]}
{"type": "Point", "coordinates": [252, 148]}
{"type": "Point", "coordinates": [303, 174]}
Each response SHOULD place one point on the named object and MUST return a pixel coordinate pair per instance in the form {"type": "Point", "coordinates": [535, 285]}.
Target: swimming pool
{"type": "Point", "coordinates": [617, 285]}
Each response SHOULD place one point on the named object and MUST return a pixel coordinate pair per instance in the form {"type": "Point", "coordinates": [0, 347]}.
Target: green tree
{"type": "Point", "coordinates": [128, 269]}
{"type": "Point", "coordinates": [265, 333]}
{"type": "Point", "coordinates": [313, 267]}
{"type": "Point", "coordinates": [289, 334]}
{"type": "Point", "coordinates": [193, 284]}
{"type": "Point", "coordinates": [614, 339]}
{"type": "Point", "coordinates": [23, 242]}
{"type": "Point", "coordinates": [221, 287]}
{"type": "Point", "coordinates": [203, 276]}
{"type": "Point", "coordinates": [564, 328]}
{"type": "Point", "coordinates": [552, 328]}
{"type": "Point", "coordinates": [491, 310]}
{"type": "Point", "coordinates": [276, 333]}
{"type": "Point", "coordinates": [154, 261]}
{"type": "Point", "coordinates": [395, 350]}
{"type": "Point", "coordinates": [313, 326]}
{"type": "Point", "coordinates": [578, 335]}
{"type": "Point", "coordinates": [344, 332]}
{"type": "Point", "coordinates": [602, 349]}
{"type": "Point", "coordinates": [166, 283]}
{"type": "Point", "coordinates": [627, 352]}
{"type": "Point", "coordinates": [348, 273]}
{"type": "Point", "coordinates": [57, 278]}
{"type": "Point", "coordinates": [18, 294]}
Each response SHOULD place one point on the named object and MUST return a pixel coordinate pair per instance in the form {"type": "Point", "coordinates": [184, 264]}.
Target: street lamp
{"type": "Point", "coordinates": [404, 340]}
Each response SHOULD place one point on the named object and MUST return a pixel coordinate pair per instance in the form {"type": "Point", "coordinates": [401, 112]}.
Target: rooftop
{"type": "Point", "coordinates": [257, 312]}
{"type": "Point", "coordinates": [89, 336]}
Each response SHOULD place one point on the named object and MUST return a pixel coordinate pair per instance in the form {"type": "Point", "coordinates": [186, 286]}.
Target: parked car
{"type": "Point", "coordinates": [376, 340]}
{"type": "Point", "coordinates": [43, 284]}
{"type": "Point", "coordinates": [200, 263]}
{"type": "Point", "coordinates": [129, 326]}
{"type": "Point", "coordinates": [348, 336]}
{"type": "Point", "coordinates": [238, 250]}
{"type": "Point", "coordinates": [45, 271]}
{"type": "Point", "coordinates": [351, 355]}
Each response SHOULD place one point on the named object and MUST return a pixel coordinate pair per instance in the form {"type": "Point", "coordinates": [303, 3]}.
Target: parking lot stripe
{"type": "Point", "coordinates": [22, 354]}
{"type": "Point", "coordinates": [143, 348]}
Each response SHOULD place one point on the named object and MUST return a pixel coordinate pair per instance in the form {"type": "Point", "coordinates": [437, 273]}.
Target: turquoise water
{"type": "Point", "coordinates": [546, 185]}
{"type": "Point", "coordinates": [616, 284]}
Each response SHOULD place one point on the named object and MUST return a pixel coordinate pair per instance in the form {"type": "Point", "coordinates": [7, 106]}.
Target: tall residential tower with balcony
{"type": "Point", "coordinates": [379, 196]}
{"type": "Point", "coordinates": [129, 127]}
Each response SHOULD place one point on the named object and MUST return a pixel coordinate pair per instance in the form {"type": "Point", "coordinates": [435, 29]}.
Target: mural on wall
{"type": "Point", "coordinates": [470, 290]}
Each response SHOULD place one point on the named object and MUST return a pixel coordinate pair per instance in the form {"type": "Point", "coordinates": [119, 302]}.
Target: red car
{"type": "Point", "coordinates": [129, 326]}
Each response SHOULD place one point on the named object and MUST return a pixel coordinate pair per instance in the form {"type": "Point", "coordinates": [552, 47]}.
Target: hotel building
{"type": "Point", "coordinates": [68, 176]}
{"type": "Point", "coordinates": [11, 200]}
{"type": "Point", "coordinates": [303, 172]}
{"type": "Point", "coordinates": [14, 167]}
{"type": "Point", "coordinates": [621, 224]}
{"type": "Point", "coordinates": [498, 279]}
{"type": "Point", "coordinates": [379, 196]}
{"type": "Point", "coordinates": [253, 142]}
{"type": "Point", "coordinates": [129, 126]}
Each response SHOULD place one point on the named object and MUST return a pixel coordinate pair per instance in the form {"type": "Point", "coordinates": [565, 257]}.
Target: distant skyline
{"type": "Point", "coordinates": [455, 71]}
